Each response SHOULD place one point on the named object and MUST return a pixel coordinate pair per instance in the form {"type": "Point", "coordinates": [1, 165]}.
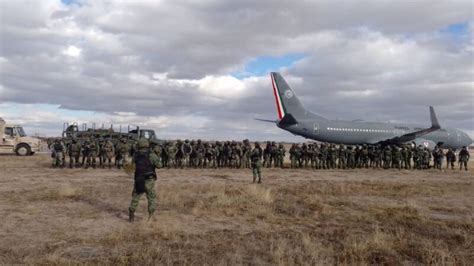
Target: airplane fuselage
{"type": "Point", "coordinates": [355, 133]}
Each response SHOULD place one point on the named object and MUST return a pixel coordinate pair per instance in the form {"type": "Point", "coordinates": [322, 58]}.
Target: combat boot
{"type": "Point", "coordinates": [151, 217]}
{"type": "Point", "coordinates": [131, 215]}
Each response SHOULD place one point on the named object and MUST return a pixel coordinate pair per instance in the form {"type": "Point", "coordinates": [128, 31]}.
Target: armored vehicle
{"type": "Point", "coordinates": [14, 139]}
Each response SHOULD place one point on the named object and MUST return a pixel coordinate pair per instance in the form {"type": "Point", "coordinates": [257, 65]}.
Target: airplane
{"type": "Point", "coordinates": [295, 118]}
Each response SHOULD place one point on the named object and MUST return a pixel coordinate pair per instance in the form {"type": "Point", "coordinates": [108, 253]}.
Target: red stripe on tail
{"type": "Point", "coordinates": [280, 116]}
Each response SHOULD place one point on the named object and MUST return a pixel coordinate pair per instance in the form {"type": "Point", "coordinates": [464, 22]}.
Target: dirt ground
{"type": "Point", "coordinates": [77, 216]}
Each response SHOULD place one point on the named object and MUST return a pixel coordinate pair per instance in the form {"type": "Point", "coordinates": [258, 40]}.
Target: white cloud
{"type": "Point", "coordinates": [72, 51]}
{"type": "Point", "coordinates": [226, 87]}
{"type": "Point", "coordinates": [167, 64]}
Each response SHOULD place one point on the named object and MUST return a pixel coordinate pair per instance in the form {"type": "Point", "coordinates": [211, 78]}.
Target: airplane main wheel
{"type": "Point", "coordinates": [23, 150]}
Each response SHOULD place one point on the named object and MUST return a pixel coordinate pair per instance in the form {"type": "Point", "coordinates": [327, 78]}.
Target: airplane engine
{"type": "Point", "coordinates": [425, 143]}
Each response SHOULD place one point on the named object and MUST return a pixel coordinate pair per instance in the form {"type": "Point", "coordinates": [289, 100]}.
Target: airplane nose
{"type": "Point", "coordinates": [468, 140]}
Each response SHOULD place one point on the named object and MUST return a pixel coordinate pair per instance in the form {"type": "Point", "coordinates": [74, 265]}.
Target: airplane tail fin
{"type": "Point", "coordinates": [434, 120]}
{"type": "Point", "coordinates": [286, 100]}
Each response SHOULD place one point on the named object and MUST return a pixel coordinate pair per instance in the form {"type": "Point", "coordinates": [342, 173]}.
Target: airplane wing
{"type": "Point", "coordinates": [413, 135]}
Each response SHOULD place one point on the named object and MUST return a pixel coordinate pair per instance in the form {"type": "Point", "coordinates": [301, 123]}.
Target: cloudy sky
{"type": "Point", "coordinates": [200, 69]}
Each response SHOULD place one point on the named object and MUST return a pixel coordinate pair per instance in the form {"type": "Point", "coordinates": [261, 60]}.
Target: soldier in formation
{"type": "Point", "coordinates": [237, 154]}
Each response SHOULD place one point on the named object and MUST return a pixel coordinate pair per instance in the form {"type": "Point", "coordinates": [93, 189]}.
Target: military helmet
{"type": "Point", "coordinates": [143, 143]}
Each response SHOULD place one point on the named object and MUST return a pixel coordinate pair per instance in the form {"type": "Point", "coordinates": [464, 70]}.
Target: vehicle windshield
{"type": "Point", "coordinates": [21, 132]}
{"type": "Point", "coordinates": [148, 134]}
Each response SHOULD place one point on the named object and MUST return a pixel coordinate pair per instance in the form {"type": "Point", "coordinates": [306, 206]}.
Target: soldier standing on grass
{"type": "Point", "coordinates": [463, 158]}
{"type": "Point", "coordinates": [121, 151]}
{"type": "Point", "coordinates": [256, 162]}
{"type": "Point", "coordinates": [59, 154]}
{"type": "Point", "coordinates": [145, 176]}
{"type": "Point", "coordinates": [450, 159]}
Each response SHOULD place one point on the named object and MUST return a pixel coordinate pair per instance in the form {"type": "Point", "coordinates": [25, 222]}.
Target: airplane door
{"type": "Point", "coordinates": [316, 129]}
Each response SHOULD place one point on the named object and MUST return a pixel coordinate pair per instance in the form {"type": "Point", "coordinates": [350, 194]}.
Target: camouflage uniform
{"type": "Point", "coordinates": [58, 154]}
{"type": "Point", "coordinates": [365, 156]}
{"type": "Point", "coordinates": [274, 154]}
{"type": "Point", "coordinates": [235, 155]}
{"type": "Point", "coordinates": [387, 157]}
{"type": "Point", "coordinates": [227, 153]}
{"type": "Point", "coordinates": [322, 156]}
{"type": "Point", "coordinates": [186, 150]}
{"type": "Point", "coordinates": [438, 156]}
{"type": "Point", "coordinates": [246, 149]}
{"type": "Point", "coordinates": [331, 157]}
{"type": "Point", "coordinates": [145, 176]}
{"type": "Point", "coordinates": [256, 160]}
{"type": "Point", "coordinates": [108, 152]}
{"type": "Point", "coordinates": [350, 157]}
{"type": "Point", "coordinates": [267, 153]}
{"type": "Point", "coordinates": [178, 154]}
{"type": "Point", "coordinates": [342, 157]}
{"type": "Point", "coordinates": [121, 151]}
{"type": "Point", "coordinates": [314, 156]}
{"type": "Point", "coordinates": [304, 155]}
{"type": "Point", "coordinates": [85, 151]}
{"type": "Point", "coordinates": [426, 158]}
{"type": "Point", "coordinates": [293, 155]}
{"type": "Point", "coordinates": [171, 155]}
{"type": "Point", "coordinates": [396, 157]}
{"type": "Point", "coordinates": [211, 156]}
{"type": "Point", "coordinates": [377, 156]}
{"type": "Point", "coordinates": [101, 152]}
{"type": "Point", "coordinates": [93, 153]}
{"type": "Point", "coordinates": [408, 158]}
{"type": "Point", "coordinates": [281, 155]}
{"type": "Point", "coordinates": [74, 151]}
{"type": "Point", "coordinates": [463, 158]}
{"type": "Point", "coordinates": [450, 159]}
{"type": "Point", "coordinates": [199, 160]}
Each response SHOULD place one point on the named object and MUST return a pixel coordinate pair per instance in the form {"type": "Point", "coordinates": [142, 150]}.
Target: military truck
{"type": "Point", "coordinates": [14, 139]}
{"type": "Point", "coordinates": [84, 132]}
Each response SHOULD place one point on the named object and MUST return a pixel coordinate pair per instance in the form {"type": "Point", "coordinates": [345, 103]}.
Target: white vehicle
{"type": "Point", "coordinates": [14, 139]}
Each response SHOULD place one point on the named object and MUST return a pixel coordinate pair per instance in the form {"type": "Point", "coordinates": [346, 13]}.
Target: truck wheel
{"type": "Point", "coordinates": [23, 150]}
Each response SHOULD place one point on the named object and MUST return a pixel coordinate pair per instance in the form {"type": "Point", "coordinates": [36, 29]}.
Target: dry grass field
{"type": "Point", "coordinates": [77, 216]}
